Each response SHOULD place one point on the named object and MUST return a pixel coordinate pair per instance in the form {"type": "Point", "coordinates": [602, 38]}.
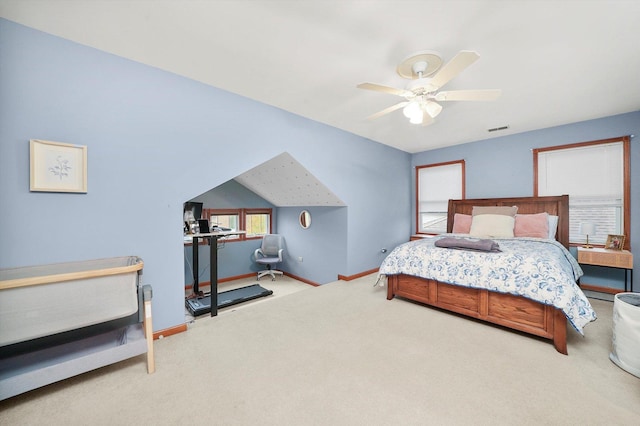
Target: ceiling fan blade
{"type": "Point", "coordinates": [387, 110]}
{"type": "Point", "coordinates": [454, 67]}
{"type": "Point", "coordinates": [384, 89]}
{"type": "Point", "coordinates": [469, 95]}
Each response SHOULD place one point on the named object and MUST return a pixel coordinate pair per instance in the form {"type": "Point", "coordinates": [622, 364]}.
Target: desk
{"type": "Point", "coordinates": [213, 263]}
{"type": "Point", "coordinates": [622, 259]}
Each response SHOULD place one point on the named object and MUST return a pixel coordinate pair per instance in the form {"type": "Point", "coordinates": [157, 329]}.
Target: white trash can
{"type": "Point", "coordinates": [625, 351]}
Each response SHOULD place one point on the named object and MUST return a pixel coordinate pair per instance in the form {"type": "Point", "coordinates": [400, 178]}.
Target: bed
{"type": "Point", "coordinates": [481, 298]}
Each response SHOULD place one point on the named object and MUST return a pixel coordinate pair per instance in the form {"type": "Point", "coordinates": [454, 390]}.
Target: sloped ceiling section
{"type": "Point", "coordinates": [284, 182]}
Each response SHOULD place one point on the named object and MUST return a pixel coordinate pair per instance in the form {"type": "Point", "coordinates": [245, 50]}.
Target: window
{"type": "Point", "coordinates": [595, 175]}
{"type": "Point", "coordinates": [225, 219]}
{"type": "Point", "coordinates": [257, 222]}
{"type": "Point", "coordinates": [436, 184]}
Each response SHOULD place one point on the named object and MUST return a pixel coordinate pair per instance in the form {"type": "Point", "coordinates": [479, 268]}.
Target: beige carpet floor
{"type": "Point", "coordinates": [341, 354]}
{"type": "Point", "coordinates": [281, 286]}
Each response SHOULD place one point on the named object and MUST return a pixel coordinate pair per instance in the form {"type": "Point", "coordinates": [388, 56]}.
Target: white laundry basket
{"type": "Point", "coordinates": [625, 351]}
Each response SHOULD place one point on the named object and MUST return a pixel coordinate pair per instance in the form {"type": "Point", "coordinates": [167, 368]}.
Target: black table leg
{"type": "Point", "coordinates": [196, 286]}
{"type": "Point", "coordinates": [213, 274]}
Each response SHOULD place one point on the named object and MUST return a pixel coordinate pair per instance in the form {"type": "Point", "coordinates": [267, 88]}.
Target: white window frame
{"type": "Point", "coordinates": [436, 184]}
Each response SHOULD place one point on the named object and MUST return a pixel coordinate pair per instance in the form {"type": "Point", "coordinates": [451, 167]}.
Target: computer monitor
{"type": "Point", "coordinates": [203, 224]}
{"type": "Point", "coordinates": [192, 211]}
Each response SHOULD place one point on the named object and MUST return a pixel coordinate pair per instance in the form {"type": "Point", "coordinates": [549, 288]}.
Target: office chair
{"type": "Point", "coordinates": [270, 253]}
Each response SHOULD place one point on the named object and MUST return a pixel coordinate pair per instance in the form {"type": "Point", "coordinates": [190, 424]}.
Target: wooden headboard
{"type": "Point", "coordinates": [556, 205]}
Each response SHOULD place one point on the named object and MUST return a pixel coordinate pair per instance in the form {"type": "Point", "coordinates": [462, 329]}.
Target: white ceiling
{"type": "Point", "coordinates": [286, 183]}
{"type": "Point", "coordinates": [556, 62]}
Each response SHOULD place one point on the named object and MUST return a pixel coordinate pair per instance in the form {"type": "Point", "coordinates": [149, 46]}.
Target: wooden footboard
{"type": "Point", "coordinates": [514, 312]}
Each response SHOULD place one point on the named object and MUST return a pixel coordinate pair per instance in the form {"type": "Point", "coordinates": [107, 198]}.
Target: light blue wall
{"type": "Point", "coordinates": [146, 130]}
{"type": "Point", "coordinates": [322, 246]}
{"type": "Point", "coordinates": [503, 167]}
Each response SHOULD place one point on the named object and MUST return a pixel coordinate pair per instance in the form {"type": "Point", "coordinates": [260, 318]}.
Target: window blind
{"type": "Point", "coordinates": [436, 185]}
{"type": "Point", "coordinates": [589, 171]}
{"type": "Point", "coordinates": [593, 176]}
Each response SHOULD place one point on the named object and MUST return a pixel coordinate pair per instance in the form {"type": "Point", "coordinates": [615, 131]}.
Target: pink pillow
{"type": "Point", "coordinates": [461, 223]}
{"type": "Point", "coordinates": [532, 225]}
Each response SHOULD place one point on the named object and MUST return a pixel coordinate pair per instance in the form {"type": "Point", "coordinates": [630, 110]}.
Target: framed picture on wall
{"type": "Point", "coordinates": [614, 242]}
{"type": "Point", "coordinates": [57, 167]}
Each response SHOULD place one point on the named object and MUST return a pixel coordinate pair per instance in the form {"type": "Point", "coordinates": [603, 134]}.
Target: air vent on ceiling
{"type": "Point", "coordinates": [496, 129]}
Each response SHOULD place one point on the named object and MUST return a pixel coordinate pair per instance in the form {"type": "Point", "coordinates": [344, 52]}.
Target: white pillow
{"type": "Point", "coordinates": [492, 226]}
{"type": "Point", "coordinates": [553, 226]}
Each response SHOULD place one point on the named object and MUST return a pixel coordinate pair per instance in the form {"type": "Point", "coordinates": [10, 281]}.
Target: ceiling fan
{"type": "Point", "coordinates": [428, 77]}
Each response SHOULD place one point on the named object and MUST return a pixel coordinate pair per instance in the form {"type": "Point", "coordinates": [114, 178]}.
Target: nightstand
{"type": "Point", "coordinates": [622, 259]}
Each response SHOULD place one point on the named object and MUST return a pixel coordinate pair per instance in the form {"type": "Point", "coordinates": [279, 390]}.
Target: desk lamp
{"type": "Point", "coordinates": [587, 228]}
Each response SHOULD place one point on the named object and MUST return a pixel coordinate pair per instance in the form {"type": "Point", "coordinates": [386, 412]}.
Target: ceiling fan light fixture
{"type": "Point", "coordinates": [433, 108]}
{"type": "Point", "coordinates": [412, 110]}
{"type": "Point", "coordinates": [416, 112]}
{"type": "Point", "coordinates": [416, 119]}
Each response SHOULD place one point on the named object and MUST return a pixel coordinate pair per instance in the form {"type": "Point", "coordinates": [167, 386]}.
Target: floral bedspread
{"type": "Point", "coordinates": [535, 268]}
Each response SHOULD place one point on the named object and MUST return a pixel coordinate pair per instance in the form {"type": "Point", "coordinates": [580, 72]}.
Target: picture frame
{"type": "Point", "coordinates": [57, 167]}
{"type": "Point", "coordinates": [614, 242]}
